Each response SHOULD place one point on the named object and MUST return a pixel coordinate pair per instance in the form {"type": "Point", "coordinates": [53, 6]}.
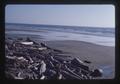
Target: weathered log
{"type": "Point", "coordinates": [69, 75]}
{"type": "Point", "coordinates": [27, 43]}
{"type": "Point", "coordinates": [86, 61]}
{"type": "Point", "coordinates": [79, 63]}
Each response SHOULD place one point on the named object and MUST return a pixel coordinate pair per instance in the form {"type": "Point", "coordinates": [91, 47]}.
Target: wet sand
{"type": "Point", "coordinates": [100, 56]}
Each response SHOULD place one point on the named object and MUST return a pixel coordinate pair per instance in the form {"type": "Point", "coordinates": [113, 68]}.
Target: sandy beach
{"type": "Point", "coordinates": [100, 56]}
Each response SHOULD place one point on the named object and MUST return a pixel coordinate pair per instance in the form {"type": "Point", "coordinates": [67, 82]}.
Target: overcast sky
{"type": "Point", "coordinates": [72, 15]}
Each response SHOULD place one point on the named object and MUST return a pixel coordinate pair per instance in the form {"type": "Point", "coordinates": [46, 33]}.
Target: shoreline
{"type": "Point", "coordinates": [49, 35]}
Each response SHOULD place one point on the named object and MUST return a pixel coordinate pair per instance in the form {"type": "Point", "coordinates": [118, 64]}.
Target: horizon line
{"type": "Point", "coordinates": [57, 25]}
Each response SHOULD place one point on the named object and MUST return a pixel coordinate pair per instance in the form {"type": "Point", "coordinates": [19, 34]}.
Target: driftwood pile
{"type": "Point", "coordinates": [26, 59]}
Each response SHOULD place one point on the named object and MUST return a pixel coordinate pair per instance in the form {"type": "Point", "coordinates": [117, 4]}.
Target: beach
{"type": "Point", "coordinates": [100, 56]}
{"type": "Point", "coordinates": [99, 48]}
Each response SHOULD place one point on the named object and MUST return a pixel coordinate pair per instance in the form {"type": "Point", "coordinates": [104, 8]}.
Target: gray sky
{"type": "Point", "coordinates": [72, 15]}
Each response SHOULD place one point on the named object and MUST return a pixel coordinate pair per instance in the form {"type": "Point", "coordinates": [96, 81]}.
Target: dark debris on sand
{"type": "Point", "coordinates": [27, 59]}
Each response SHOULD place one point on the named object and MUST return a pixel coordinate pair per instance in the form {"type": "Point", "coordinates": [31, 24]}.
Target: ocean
{"type": "Point", "coordinates": [95, 35]}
